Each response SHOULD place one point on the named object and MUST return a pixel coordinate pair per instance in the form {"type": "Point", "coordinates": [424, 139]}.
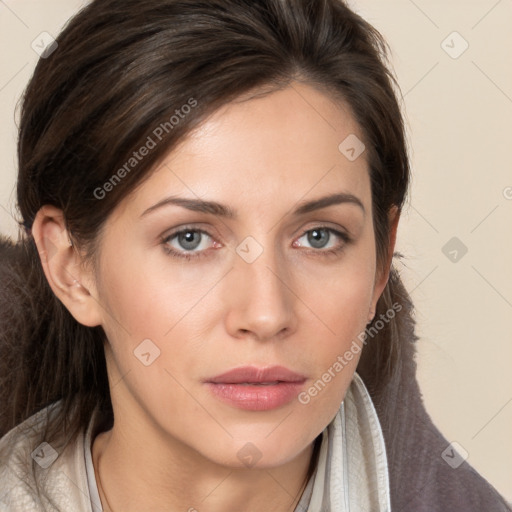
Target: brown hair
{"type": "Point", "coordinates": [121, 69]}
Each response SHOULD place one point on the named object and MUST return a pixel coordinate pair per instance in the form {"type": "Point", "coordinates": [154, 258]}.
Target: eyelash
{"type": "Point", "coordinates": [200, 254]}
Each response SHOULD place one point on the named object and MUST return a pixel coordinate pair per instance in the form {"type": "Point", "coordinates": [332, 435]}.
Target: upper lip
{"type": "Point", "coordinates": [252, 374]}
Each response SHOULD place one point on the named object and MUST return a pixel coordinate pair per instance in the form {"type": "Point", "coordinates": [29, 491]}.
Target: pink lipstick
{"type": "Point", "coordinates": [256, 389]}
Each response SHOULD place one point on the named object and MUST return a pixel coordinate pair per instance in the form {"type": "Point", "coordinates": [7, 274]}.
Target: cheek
{"type": "Point", "coordinates": [341, 296]}
{"type": "Point", "coordinates": [147, 326]}
{"type": "Point", "coordinates": [340, 310]}
{"type": "Point", "coordinates": [147, 297]}
{"type": "Point", "coordinates": [156, 301]}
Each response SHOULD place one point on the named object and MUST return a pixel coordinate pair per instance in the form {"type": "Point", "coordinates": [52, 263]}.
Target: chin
{"type": "Point", "coordinates": [260, 452]}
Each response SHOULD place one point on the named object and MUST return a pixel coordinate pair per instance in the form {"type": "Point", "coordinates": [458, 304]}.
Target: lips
{"type": "Point", "coordinates": [253, 375]}
{"type": "Point", "coordinates": [256, 389]}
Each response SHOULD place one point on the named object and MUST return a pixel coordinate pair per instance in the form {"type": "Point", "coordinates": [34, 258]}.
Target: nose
{"type": "Point", "coordinates": [262, 303]}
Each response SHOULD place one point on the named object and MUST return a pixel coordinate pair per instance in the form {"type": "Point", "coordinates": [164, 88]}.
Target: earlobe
{"type": "Point", "coordinates": [61, 262]}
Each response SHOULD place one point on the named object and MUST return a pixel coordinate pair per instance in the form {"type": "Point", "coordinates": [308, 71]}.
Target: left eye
{"type": "Point", "coordinates": [189, 240]}
{"type": "Point", "coordinates": [320, 237]}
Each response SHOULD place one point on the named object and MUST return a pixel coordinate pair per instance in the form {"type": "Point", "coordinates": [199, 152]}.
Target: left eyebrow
{"type": "Point", "coordinates": [324, 202]}
{"type": "Point", "coordinates": [218, 209]}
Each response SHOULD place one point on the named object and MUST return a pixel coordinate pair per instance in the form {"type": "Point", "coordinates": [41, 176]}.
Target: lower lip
{"type": "Point", "coordinates": [256, 397]}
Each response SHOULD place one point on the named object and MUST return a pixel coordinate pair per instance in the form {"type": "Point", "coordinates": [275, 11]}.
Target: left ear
{"type": "Point", "coordinates": [382, 276]}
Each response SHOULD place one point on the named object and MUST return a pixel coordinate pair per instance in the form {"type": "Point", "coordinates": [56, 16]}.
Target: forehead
{"type": "Point", "coordinates": [264, 152]}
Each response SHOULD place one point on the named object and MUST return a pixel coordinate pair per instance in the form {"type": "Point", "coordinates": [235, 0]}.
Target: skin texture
{"type": "Point", "coordinates": [174, 445]}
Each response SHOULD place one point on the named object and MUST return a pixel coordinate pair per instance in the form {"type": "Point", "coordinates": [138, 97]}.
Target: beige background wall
{"type": "Point", "coordinates": [459, 114]}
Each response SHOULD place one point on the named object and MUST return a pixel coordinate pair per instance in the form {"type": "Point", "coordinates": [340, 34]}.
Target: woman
{"type": "Point", "coordinates": [211, 193]}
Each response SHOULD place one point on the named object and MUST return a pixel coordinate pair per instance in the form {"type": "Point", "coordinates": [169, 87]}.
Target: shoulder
{"type": "Point", "coordinates": [17, 479]}
{"type": "Point", "coordinates": [36, 475]}
{"type": "Point", "coordinates": [426, 472]}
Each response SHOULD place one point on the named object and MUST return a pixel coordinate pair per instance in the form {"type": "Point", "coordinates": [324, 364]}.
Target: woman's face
{"type": "Point", "coordinates": [242, 269]}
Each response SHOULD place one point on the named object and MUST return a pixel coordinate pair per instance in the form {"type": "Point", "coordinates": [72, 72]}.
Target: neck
{"type": "Point", "coordinates": [180, 479]}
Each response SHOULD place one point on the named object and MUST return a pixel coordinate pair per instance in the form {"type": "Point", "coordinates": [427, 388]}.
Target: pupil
{"type": "Point", "coordinates": [189, 239]}
{"type": "Point", "coordinates": [318, 237]}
